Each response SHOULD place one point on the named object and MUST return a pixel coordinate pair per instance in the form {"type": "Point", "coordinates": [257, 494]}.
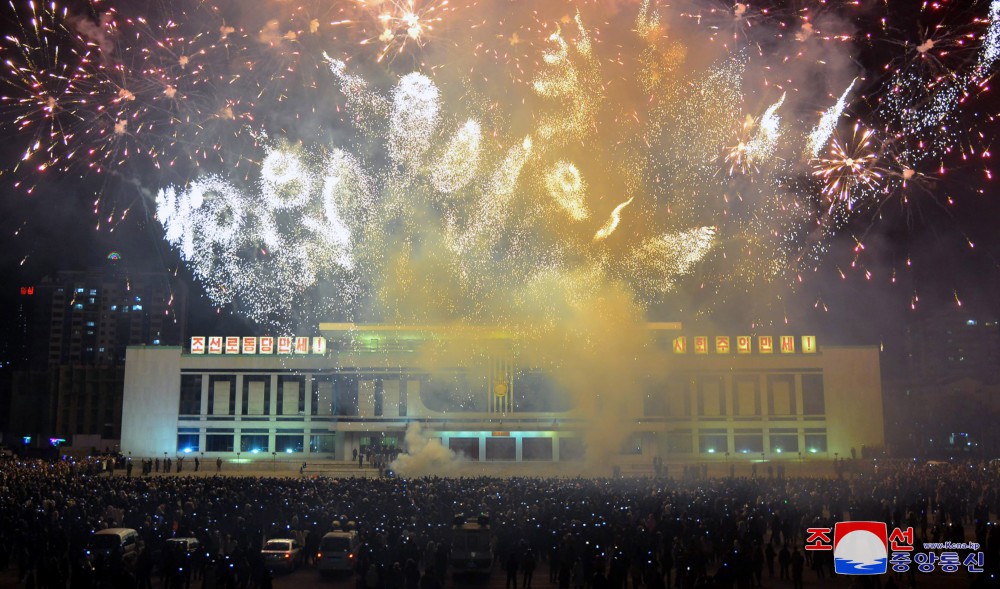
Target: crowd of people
{"type": "Point", "coordinates": [652, 533]}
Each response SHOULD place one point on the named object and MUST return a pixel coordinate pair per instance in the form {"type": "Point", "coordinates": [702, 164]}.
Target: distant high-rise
{"type": "Point", "coordinates": [71, 335]}
{"type": "Point", "coordinates": [96, 315]}
{"type": "Point", "coordinates": [952, 345]}
{"type": "Point", "coordinates": [947, 399]}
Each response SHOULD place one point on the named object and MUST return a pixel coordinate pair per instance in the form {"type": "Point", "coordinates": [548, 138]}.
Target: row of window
{"type": "Point", "coordinates": [738, 396]}
{"type": "Point", "coordinates": [255, 443]}
{"type": "Point", "coordinates": [813, 441]}
{"type": "Point", "coordinates": [747, 395]}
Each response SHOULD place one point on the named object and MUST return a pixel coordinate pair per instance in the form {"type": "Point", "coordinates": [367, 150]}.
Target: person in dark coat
{"type": "Point", "coordinates": [511, 566]}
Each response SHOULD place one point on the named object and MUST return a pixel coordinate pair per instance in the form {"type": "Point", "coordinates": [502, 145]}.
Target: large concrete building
{"type": "Point", "coordinates": [723, 398]}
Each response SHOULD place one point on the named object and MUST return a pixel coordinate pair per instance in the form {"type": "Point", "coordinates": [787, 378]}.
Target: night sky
{"type": "Point", "coordinates": [54, 228]}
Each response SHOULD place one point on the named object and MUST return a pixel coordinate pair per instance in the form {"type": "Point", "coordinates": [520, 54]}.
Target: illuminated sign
{"type": "Point", "coordinates": [252, 346]}
{"type": "Point", "coordinates": [766, 344]}
{"type": "Point", "coordinates": [27, 291]}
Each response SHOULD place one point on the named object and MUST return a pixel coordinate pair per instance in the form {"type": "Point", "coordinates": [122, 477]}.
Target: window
{"type": "Point", "coordinates": [783, 441]}
{"type": "Point", "coordinates": [322, 443]}
{"type": "Point", "coordinates": [815, 441]}
{"type": "Point", "coordinates": [711, 397]}
{"type": "Point", "coordinates": [678, 397]}
{"type": "Point", "coordinates": [190, 394]}
{"type": "Point", "coordinates": [331, 395]}
{"type": "Point", "coordinates": [536, 449]}
{"type": "Point", "coordinates": [654, 403]}
{"type": "Point", "coordinates": [571, 449]}
{"type": "Point", "coordinates": [467, 448]}
{"type": "Point", "coordinates": [748, 441]}
{"type": "Point", "coordinates": [781, 395]}
{"type": "Point", "coordinates": [501, 449]}
{"type": "Point", "coordinates": [288, 443]}
{"type": "Point", "coordinates": [456, 393]}
{"type": "Point", "coordinates": [187, 443]}
{"type": "Point", "coordinates": [680, 442]}
{"type": "Point", "coordinates": [746, 396]}
{"type": "Point", "coordinates": [254, 443]}
{"type": "Point", "coordinates": [813, 402]}
{"type": "Point", "coordinates": [219, 443]}
{"type": "Point", "coordinates": [712, 441]}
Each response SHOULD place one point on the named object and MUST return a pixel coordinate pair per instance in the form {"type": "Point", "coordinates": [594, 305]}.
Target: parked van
{"type": "Point", "coordinates": [338, 551]}
{"type": "Point", "coordinates": [109, 545]}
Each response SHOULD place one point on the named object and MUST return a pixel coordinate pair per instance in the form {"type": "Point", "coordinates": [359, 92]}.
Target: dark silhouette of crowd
{"type": "Point", "coordinates": [650, 533]}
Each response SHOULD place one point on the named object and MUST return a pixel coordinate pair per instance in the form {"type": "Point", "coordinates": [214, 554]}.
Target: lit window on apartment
{"type": "Point", "coordinates": [78, 306]}
{"type": "Point", "coordinates": [114, 307]}
{"type": "Point", "coordinates": [79, 290]}
{"type": "Point", "coordinates": [137, 307]}
{"type": "Point", "coordinates": [156, 342]}
{"type": "Point", "coordinates": [93, 292]}
{"type": "Point", "coordinates": [90, 324]}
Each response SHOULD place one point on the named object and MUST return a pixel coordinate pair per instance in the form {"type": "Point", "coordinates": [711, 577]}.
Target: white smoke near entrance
{"type": "Point", "coordinates": [425, 455]}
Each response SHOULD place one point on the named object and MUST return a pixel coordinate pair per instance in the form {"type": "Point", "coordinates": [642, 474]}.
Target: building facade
{"type": "Point", "coordinates": [69, 346]}
{"type": "Point", "coordinates": [356, 387]}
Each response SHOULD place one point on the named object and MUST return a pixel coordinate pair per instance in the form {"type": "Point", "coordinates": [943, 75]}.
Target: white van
{"type": "Point", "coordinates": [338, 551]}
{"type": "Point", "coordinates": [104, 545]}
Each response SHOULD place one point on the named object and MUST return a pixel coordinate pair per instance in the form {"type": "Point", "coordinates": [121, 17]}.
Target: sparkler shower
{"type": "Point", "coordinates": [433, 161]}
{"type": "Point", "coordinates": [337, 159]}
